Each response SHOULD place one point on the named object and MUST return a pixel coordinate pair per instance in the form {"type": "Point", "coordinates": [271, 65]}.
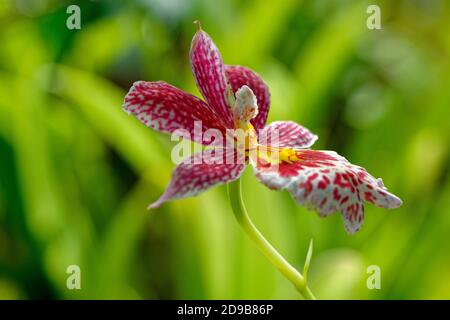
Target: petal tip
{"type": "Point", "coordinates": [391, 201]}
{"type": "Point", "coordinates": [155, 204]}
{"type": "Point", "coordinates": [198, 25]}
{"type": "Point", "coordinates": [127, 105]}
{"type": "Point", "coordinates": [352, 230]}
{"type": "Point", "coordinates": [396, 202]}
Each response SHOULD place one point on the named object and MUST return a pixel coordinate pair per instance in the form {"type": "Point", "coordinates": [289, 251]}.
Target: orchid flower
{"type": "Point", "coordinates": [236, 97]}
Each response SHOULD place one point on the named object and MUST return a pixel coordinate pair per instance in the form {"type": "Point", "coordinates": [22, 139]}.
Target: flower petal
{"type": "Point", "coordinates": [165, 108]}
{"type": "Point", "coordinates": [326, 182]}
{"type": "Point", "coordinates": [202, 171]}
{"type": "Point", "coordinates": [286, 134]}
{"type": "Point", "coordinates": [208, 69]}
{"type": "Point", "coordinates": [239, 76]}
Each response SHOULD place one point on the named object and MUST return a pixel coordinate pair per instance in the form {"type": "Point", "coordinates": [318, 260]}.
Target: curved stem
{"type": "Point", "coordinates": [237, 204]}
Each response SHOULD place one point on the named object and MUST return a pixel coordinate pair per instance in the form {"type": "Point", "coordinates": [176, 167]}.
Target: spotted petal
{"type": "Point", "coordinates": [165, 108]}
{"type": "Point", "coordinates": [209, 73]}
{"type": "Point", "coordinates": [286, 134]}
{"type": "Point", "coordinates": [239, 76]}
{"type": "Point", "coordinates": [326, 182]}
{"type": "Point", "coordinates": [202, 171]}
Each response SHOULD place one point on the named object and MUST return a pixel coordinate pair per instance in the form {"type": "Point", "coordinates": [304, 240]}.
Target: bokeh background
{"type": "Point", "coordinates": [76, 173]}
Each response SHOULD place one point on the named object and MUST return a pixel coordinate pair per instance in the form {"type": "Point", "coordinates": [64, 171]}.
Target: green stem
{"type": "Point", "coordinates": [237, 204]}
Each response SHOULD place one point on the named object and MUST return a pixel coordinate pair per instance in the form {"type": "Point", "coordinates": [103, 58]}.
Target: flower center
{"type": "Point", "coordinates": [274, 155]}
{"type": "Point", "coordinates": [245, 109]}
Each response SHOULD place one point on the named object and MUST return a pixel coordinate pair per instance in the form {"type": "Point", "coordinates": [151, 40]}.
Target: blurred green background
{"type": "Point", "coordinates": [76, 173]}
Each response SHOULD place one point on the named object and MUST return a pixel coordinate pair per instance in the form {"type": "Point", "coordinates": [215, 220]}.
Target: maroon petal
{"type": "Point", "coordinates": [165, 108]}
{"type": "Point", "coordinates": [208, 69]}
{"type": "Point", "coordinates": [286, 134]}
{"type": "Point", "coordinates": [326, 182]}
{"type": "Point", "coordinates": [239, 76]}
{"type": "Point", "coordinates": [201, 172]}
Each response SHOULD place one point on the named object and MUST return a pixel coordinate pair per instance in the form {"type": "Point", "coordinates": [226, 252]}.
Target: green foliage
{"type": "Point", "coordinates": [76, 172]}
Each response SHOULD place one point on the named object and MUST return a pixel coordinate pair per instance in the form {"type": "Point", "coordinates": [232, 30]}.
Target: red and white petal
{"type": "Point", "coordinates": [209, 73]}
{"type": "Point", "coordinates": [166, 108]}
{"type": "Point", "coordinates": [327, 182]}
{"type": "Point", "coordinates": [239, 76]}
{"type": "Point", "coordinates": [202, 171]}
{"type": "Point", "coordinates": [376, 193]}
{"type": "Point", "coordinates": [286, 134]}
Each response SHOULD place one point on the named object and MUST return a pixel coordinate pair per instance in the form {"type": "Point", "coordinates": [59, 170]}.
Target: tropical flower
{"type": "Point", "coordinates": [236, 97]}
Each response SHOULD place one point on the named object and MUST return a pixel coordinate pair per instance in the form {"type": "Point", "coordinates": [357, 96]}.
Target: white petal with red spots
{"type": "Point", "coordinates": [327, 182]}
{"type": "Point", "coordinates": [166, 108]}
{"type": "Point", "coordinates": [202, 171]}
{"type": "Point", "coordinates": [286, 134]}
